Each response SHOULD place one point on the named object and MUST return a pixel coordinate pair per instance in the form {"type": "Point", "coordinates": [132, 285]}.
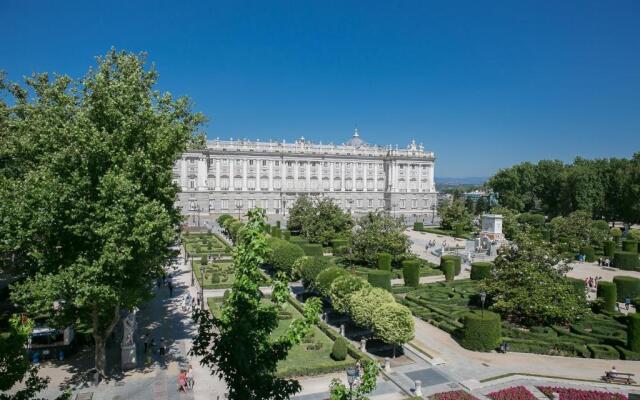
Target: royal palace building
{"type": "Point", "coordinates": [236, 175]}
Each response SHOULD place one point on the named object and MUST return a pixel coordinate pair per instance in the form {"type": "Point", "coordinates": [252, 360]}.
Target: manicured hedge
{"type": "Point", "coordinates": [336, 244]}
{"type": "Point", "coordinates": [610, 248]}
{"type": "Point", "coordinates": [626, 260]}
{"type": "Point", "coordinates": [284, 254]}
{"type": "Point", "coordinates": [411, 273]}
{"type": "Point", "coordinates": [578, 284]}
{"type": "Point", "coordinates": [418, 226]}
{"type": "Point", "coordinates": [589, 253]}
{"type": "Point", "coordinates": [384, 261]}
{"type": "Point", "coordinates": [276, 232]}
{"type": "Point", "coordinates": [339, 350]}
{"type": "Point", "coordinates": [603, 351]}
{"type": "Point", "coordinates": [607, 291]}
{"type": "Point", "coordinates": [380, 279]}
{"type": "Point", "coordinates": [481, 331]}
{"type": "Point", "coordinates": [457, 262]}
{"type": "Point", "coordinates": [449, 269]}
{"type": "Point", "coordinates": [633, 332]}
{"type": "Point", "coordinates": [286, 235]}
{"type": "Point", "coordinates": [630, 245]}
{"type": "Point", "coordinates": [325, 278]}
{"type": "Point", "coordinates": [312, 249]}
{"type": "Point", "coordinates": [459, 230]}
{"type": "Point", "coordinates": [481, 270]}
{"type": "Point", "coordinates": [627, 287]}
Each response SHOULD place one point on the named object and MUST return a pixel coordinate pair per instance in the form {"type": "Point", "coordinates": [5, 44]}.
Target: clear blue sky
{"type": "Point", "coordinates": [484, 84]}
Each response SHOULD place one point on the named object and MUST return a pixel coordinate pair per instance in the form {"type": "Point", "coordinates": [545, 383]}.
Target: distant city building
{"type": "Point", "coordinates": [236, 175]}
{"type": "Point", "coordinates": [475, 195]}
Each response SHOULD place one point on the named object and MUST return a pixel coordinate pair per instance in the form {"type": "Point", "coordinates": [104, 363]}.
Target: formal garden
{"type": "Point", "coordinates": [522, 393]}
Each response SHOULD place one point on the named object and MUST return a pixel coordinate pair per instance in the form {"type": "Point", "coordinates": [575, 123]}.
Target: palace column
{"type": "Point", "coordinates": [419, 177]}
{"type": "Point", "coordinates": [202, 173]}
{"type": "Point", "coordinates": [342, 165]}
{"type": "Point", "coordinates": [331, 176]}
{"type": "Point", "coordinates": [232, 177]}
{"type": "Point", "coordinates": [183, 174]}
{"type": "Point", "coordinates": [432, 182]}
{"type": "Point", "coordinates": [364, 176]}
{"type": "Point", "coordinates": [375, 177]}
{"type": "Point", "coordinates": [319, 177]}
{"type": "Point", "coordinates": [218, 172]}
{"type": "Point", "coordinates": [309, 175]}
{"type": "Point", "coordinates": [271, 165]}
{"type": "Point", "coordinates": [244, 174]}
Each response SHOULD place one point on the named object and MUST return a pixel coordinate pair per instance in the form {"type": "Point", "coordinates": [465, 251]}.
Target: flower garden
{"type": "Point", "coordinates": [522, 393]}
{"type": "Point", "coordinates": [200, 244]}
{"type": "Point", "coordinates": [597, 335]}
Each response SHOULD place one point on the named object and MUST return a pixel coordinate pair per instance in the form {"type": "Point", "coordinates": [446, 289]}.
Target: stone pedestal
{"type": "Point", "coordinates": [387, 364]}
{"type": "Point", "coordinates": [363, 344]}
{"type": "Point", "coordinates": [129, 360]}
{"type": "Point", "coordinates": [418, 388]}
{"type": "Point", "coordinates": [342, 329]}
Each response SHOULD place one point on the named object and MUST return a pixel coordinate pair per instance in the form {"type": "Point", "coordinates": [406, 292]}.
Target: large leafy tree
{"type": "Point", "coordinates": [378, 233]}
{"type": "Point", "coordinates": [455, 213]}
{"type": "Point", "coordinates": [237, 345]}
{"type": "Point", "coordinates": [88, 201]}
{"type": "Point", "coordinates": [320, 220]}
{"type": "Point", "coordinates": [393, 323]}
{"type": "Point", "coordinates": [528, 284]}
{"type": "Point", "coordinates": [575, 230]}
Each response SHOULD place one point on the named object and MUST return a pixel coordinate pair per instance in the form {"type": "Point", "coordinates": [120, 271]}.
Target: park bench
{"type": "Point", "coordinates": [618, 377]}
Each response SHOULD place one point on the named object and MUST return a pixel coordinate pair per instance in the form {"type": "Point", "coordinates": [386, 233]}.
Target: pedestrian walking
{"type": "Point", "coordinates": [190, 381]}
{"type": "Point", "coordinates": [170, 286]}
{"type": "Point", "coordinates": [627, 303]}
{"type": "Point", "coordinates": [146, 342]}
{"type": "Point", "coordinates": [152, 345]}
{"type": "Point", "coordinates": [162, 347]}
{"type": "Point", "coordinates": [182, 381]}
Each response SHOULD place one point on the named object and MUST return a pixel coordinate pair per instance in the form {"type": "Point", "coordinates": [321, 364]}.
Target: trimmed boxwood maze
{"type": "Point", "coordinates": [445, 305]}
{"type": "Point", "coordinates": [204, 243]}
{"type": "Point", "coordinates": [627, 260]}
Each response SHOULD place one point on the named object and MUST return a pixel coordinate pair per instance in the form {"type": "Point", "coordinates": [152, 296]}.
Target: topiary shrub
{"type": "Point", "coordinates": [339, 349]}
{"type": "Point", "coordinates": [215, 278]}
{"type": "Point", "coordinates": [325, 278]}
{"type": "Point", "coordinates": [364, 303]}
{"type": "Point", "coordinates": [457, 262]}
{"type": "Point", "coordinates": [286, 235]}
{"type": "Point", "coordinates": [283, 255]}
{"type": "Point", "coordinates": [481, 331]}
{"type": "Point", "coordinates": [626, 260]}
{"type": "Point", "coordinates": [312, 249]}
{"type": "Point", "coordinates": [380, 279]}
{"type": "Point", "coordinates": [203, 259]}
{"type": "Point", "coordinates": [342, 288]}
{"type": "Point", "coordinates": [276, 232]}
{"type": "Point", "coordinates": [633, 332]}
{"type": "Point", "coordinates": [411, 272]}
{"type": "Point", "coordinates": [222, 218]}
{"type": "Point", "coordinates": [449, 270]}
{"type": "Point", "coordinates": [610, 248]}
{"type": "Point", "coordinates": [589, 253]}
{"type": "Point", "coordinates": [630, 245]}
{"type": "Point", "coordinates": [578, 284]}
{"type": "Point", "coordinates": [418, 226]}
{"type": "Point", "coordinates": [458, 229]}
{"type": "Point", "coordinates": [308, 269]}
{"type": "Point", "coordinates": [607, 291]}
{"type": "Point", "coordinates": [481, 270]}
{"type": "Point", "coordinates": [626, 286]}
{"type": "Point", "coordinates": [616, 234]}
{"type": "Point", "coordinates": [384, 261]}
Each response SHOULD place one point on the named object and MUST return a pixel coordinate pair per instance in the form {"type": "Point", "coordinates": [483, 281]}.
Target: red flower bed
{"type": "Point", "coordinates": [512, 393]}
{"type": "Point", "coordinates": [454, 395]}
{"type": "Point", "coordinates": [576, 394]}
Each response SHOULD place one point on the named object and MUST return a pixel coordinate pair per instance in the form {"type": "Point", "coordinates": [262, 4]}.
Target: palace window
{"type": "Point", "coordinates": [212, 205]}
{"type": "Point", "coordinates": [370, 203]}
{"type": "Point", "coordinates": [264, 163]}
{"type": "Point", "coordinates": [401, 203]}
{"type": "Point", "coordinates": [192, 183]}
{"type": "Point", "coordinates": [277, 163]}
{"type": "Point", "coordinates": [414, 203]}
{"type": "Point", "coordinates": [193, 206]}
{"type": "Point", "coordinates": [224, 204]}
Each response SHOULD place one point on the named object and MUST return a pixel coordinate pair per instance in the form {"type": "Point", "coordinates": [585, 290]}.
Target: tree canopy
{"type": "Point", "coordinates": [378, 233]}
{"type": "Point", "coordinates": [456, 212]}
{"type": "Point", "coordinates": [319, 220]}
{"type": "Point", "coordinates": [86, 186]}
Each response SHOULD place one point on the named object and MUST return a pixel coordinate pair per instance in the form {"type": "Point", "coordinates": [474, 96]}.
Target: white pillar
{"type": "Point", "coordinates": [271, 165]}
{"type": "Point", "coordinates": [353, 177]}
{"type": "Point", "coordinates": [295, 175]}
{"type": "Point", "coordinates": [308, 175]}
{"type": "Point", "coordinates": [183, 174]}
{"type": "Point", "coordinates": [432, 182]}
{"type": "Point", "coordinates": [365, 167]}
{"type": "Point", "coordinates": [218, 172]}
{"type": "Point", "coordinates": [202, 173]}
{"type": "Point", "coordinates": [342, 164]}
{"type": "Point", "coordinates": [331, 176]}
{"type": "Point", "coordinates": [244, 174]}
{"type": "Point", "coordinates": [396, 173]}
{"type": "Point", "coordinates": [320, 166]}
{"type": "Point", "coordinates": [375, 177]}
{"type": "Point", "coordinates": [232, 177]}
{"type": "Point", "coordinates": [419, 177]}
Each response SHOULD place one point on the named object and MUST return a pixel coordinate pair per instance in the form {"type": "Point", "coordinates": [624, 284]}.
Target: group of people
{"type": "Point", "coordinates": [150, 345]}
{"type": "Point", "coordinates": [592, 283]}
{"type": "Point", "coordinates": [604, 262]}
{"type": "Point", "coordinates": [185, 379]}
{"type": "Point", "coordinates": [165, 280]}
{"type": "Point", "coordinates": [189, 302]}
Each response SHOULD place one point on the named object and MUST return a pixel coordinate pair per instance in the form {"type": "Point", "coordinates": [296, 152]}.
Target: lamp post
{"type": "Point", "coordinates": [239, 207]}
{"type": "Point", "coordinates": [352, 376]}
{"type": "Point", "coordinates": [192, 274]}
{"type": "Point", "coordinates": [483, 297]}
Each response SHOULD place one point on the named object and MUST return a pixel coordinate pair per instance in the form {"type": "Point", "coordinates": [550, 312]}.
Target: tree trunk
{"type": "Point", "coordinates": [100, 339]}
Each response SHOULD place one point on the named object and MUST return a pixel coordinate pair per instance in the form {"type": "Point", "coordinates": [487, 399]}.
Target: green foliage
{"type": "Point", "coordinates": [312, 249]}
{"type": "Point", "coordinates": [339, 350]}
{"type": "Point", "coordinates": [342, 288]}
{"type": "Point", "coordinates": [384, 261]}
{"type": "Point", "coordinates": [380, 279]}
{"type": "Point", "coordinates": [393, 323]}
{"type": "Point", "coordinates": [222, 218]}
{"type": "Point", "coordinates": [418, 226]}
{"type": "Point", "coordinates": [337, 244]}
{"type": "Point", "coordinates": [237, 345]}
{"type": "Point", "coordinates": [15, 366]}
{"type": "Point", "coordinates": [630, 246]}
{"type": "Point", "coordinates": [633, 332]}
{"type": "Point", "coordinates": [411, 273]}
{"type": "Point", "coordinates": [455, 213]}
{"type": "Point", "coordinates": [616, 234]}
{"type": "Point", "coordinates": [578, 285]}
{"type": "Point", "coordinates": [610, 248]}
{"type": "Point", "coordinates": [481, 332]}
{"type": "Point", "coordinates": [325, 278]}
{"type": "Point", "coordinates": [308, 269]}
{"type": "Point", "coordinates": [481, 270]}
{"type": "Point", "coordinates": [283, 255]}
{"type": "Point", "coordinates": [627, 287]}
{"type": "Point", "coordinates": [365, 302]}
{"type": "Point", "coordinates": [607, 291]}
{"type": "Point", "coordinates": [449, 269]}
{"type": "Point", "coordinates": [86, 188]}
{"type": "Point", "coordinates": [528, 286]}
{"type": "Point", "coordinates": [376, 233]}
{"type": "Point", "coordinates": [634, 234]}
{"type": "Point", "coordinates": [531, 219]}
{"type": "Point", "coordinates": [575, 230]}
{"type": "Point", "coordinates": [510, 225]}
{"type": "Point", "coordinates": [276, 232]}
{"type": "Point", "coordinates": [319, 220]}
{"type": "Point", "coordinates": [234, 229]}
{"type": "Point", "coordinates": [626, 260]}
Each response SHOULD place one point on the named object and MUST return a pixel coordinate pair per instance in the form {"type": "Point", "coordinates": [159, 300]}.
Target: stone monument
{"type": "Point", "coordinates": [128, 345]}
{"type": "Point", "coordinates": [491, 235]}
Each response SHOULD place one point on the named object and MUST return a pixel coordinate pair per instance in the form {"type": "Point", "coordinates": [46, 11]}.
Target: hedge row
{"type": "Point", "coordinates": [627, 287]}
{"type": "Point", "coordinates": [312, 249]}
{"type": "Point", "coordinates": [457, 262]}
{"type": "Point", "coordinates": [608, 293]}
{"type": "Point", "coordinates": [630, 245]}
{"type": "Point", "coordinates": [380, 279]}
{"type": "Point", "coordinates": [610, 248]}
{"type": "Point", "coordinates": [481, 270]}
{"type": "Point", "coordinates": [384, 261]}
{"type": "Point", "coordinates": [626, 260]}
{"type": "Point", "coordinates": [418, 226]}
{"type": "Point", "coordinates": [589, 253]}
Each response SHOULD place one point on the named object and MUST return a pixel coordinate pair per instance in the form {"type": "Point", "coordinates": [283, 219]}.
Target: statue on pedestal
{"type": "Point", "coordinates": [128, 344]}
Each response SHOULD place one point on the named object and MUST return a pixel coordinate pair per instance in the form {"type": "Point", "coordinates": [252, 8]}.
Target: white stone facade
{"type": "Point", "coordinates": [236, 175]}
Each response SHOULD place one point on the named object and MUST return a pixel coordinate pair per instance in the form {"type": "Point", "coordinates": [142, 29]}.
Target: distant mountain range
{"type": "Point", "coordinates": [470, 180]}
